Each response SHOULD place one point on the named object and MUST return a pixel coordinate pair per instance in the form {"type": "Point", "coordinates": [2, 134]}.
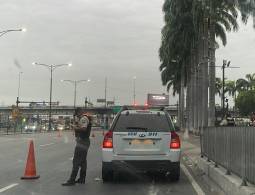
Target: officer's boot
{"type": "Point", "coordinates": [82, 178]}
{"type": "Point", "coordinates": [71, 181]}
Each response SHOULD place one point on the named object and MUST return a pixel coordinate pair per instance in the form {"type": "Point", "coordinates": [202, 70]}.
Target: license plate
{"type": "Point", "coordinates": [139, 142]}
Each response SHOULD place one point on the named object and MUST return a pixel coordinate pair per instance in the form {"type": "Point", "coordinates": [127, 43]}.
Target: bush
{"type": "Point", "coordinates": [245, 102]}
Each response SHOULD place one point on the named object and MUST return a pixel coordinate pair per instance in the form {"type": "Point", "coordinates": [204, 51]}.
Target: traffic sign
{"type": "Point", "coordinates": [116, 109]}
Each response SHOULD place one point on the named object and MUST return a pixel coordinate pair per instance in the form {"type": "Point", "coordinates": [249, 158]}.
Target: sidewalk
{"type": "Point", "coordinates": [191, 147]}
{"type": "Point", "coordinates": [190, 157]}
{"type": "Point", "coordinates": [217, 182]}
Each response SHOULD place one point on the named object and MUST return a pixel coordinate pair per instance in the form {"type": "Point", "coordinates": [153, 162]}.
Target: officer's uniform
{"type": "Point", "coordinates": [82, 133]}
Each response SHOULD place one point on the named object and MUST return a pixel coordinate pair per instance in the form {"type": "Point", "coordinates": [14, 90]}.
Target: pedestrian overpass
{"type": "Point", "coordinates": [69, 110]}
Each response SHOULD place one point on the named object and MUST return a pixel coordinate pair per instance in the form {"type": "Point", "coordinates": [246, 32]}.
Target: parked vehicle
{"type": "Point", "coordinates": [141, 141]}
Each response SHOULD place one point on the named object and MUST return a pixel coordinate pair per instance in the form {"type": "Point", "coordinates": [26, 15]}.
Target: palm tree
{"type": "Point", "coordinates": [220, 16]}
{"type": "Point", "coordinates": [251, 80]}
{"type": "Point", "coordinates": [247, 9]}
{"type": "Point", "coordinates": [243, 84]}
{"type": "Point", "coordinates": [188, 38]}
{"type": "Point", "coordinates": [246, 84]}
{"type": "Point", "coordinates": [175, 47]}
{"type": "Point", "coordinates": [222, 13]}
{"type": "Point", "coordinates": [230, 88]}
{"type": "Point", "coordinates": [218, 86]}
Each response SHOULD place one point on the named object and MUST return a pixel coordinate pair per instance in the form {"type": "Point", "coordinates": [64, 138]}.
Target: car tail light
{"type": "Point", "coordinates": [175, 141]}
{"type": "Point", "coordinates": [107, 143]}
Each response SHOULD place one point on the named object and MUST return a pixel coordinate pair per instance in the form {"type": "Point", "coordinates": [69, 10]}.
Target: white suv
{"type": "Point", "coordinates": [141, 141]}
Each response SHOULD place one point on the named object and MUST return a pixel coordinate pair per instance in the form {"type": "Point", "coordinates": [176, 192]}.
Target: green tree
{"type": "Point", "coordinates": [246, 84]}
{"type": "Point", "coordinates": [218, 86]}
{"type": "Point", "coordinates": [251, 80]}
{"type": "Point", "coordinates": [245, 102]}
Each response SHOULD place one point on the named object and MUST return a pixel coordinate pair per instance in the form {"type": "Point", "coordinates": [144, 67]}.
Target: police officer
{"type": "Point", "coordinates": [82, 128]}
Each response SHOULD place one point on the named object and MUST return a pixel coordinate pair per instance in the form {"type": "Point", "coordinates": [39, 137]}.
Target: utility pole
{"type": "Point", "coordinates": [223, 98]}
{"type": "Point", "coordinates": [134, 89]}
{"type": "Point", "coordinates": [223, 87]}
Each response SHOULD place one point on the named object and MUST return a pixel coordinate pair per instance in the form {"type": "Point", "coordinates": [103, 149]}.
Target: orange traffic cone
{"type": "Point", "coordinates": [30, 171]}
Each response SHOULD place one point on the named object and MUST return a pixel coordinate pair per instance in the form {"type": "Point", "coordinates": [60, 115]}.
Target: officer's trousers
{"type": "Point", "coordinates": [80, 159]}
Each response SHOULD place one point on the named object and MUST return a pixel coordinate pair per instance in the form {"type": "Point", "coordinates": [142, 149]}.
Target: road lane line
{"type": "Point", "coordinates": [192, 181]}
{"type": "Point", "coordinates": [47, 144]}
{"type": "Point", "coordinates": [153, 190]}
{"type": "Point", "coordinates": [8, 187]}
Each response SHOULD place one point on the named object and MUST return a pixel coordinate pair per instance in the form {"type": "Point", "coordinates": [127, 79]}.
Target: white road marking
{"type": "Point", "coordinates": [8, 187]}
{"type": "Point", "coordinates": [192, 181]}
{"type": "Point", "coordinates": [46, 144]}
{"type": "Point", "coordinates": [71, 158]}
{"type": "Point", "coordinates": [153, 190]}
{"type": "Point", "coordinates": [97, 179]}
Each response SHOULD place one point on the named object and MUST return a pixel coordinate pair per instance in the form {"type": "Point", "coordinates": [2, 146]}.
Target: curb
{"type": "Point", "coordinates": [230, 184]}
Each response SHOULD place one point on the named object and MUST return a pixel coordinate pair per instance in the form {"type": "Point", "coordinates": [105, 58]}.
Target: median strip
{"type": "Point", "coordinates": [8, 187]}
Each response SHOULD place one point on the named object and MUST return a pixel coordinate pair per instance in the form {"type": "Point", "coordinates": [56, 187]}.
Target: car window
{"type": "Point", "coordinates": [143, 122]}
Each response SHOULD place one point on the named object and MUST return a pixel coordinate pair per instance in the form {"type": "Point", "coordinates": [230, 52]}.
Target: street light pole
{"type": "Point", "coordinates": [75, 89]}
{"type": "Point", "coordinates": [105, 92]}
{"type": "Point", "coordinates": [134, 88]}
{"type": "Point", "coordinates": [51, 68]}
{"type": "Point", "coordinates": [19, 84]}
{"type": "Point", "coordinates": [75, 82]}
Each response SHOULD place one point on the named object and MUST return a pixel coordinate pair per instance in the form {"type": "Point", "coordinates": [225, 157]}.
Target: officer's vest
{"type": "Point", "coordinates": [84, 134]}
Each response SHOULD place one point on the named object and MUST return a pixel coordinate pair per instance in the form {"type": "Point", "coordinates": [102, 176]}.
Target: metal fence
{"type": "Point", "coordinates": [231, 147]}
{"type": "Point", "coordinates": [11, 130]}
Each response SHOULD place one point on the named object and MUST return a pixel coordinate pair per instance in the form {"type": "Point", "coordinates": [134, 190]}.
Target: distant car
{"type": "Point", "coordinates": [46, 127]}
{"type": "Point", "coordinates": [31, 127]}
{"type": "Point", "coordinates": [141, 141]}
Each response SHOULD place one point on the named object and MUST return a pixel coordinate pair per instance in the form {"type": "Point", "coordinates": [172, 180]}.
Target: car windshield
{"type": "Point", "coordinates": [143, 122]}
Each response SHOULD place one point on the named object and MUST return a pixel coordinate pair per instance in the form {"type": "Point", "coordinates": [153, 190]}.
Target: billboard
{"type": "Point", "coordinates": [100, 100]}
{"type": "Point", "coordinates": [157, 99]}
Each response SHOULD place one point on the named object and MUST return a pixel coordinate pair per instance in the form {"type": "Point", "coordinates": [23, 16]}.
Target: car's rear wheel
{"type": "Point", "coordinates": [107, 174]}
{"type": "Point", "coordinates": [175, 172]}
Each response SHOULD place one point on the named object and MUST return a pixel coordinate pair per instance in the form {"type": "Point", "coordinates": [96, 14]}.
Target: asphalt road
{"type": "Point", "coordinates": [54, 161]}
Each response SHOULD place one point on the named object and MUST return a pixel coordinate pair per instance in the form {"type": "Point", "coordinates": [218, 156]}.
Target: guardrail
{"type": "Point", "coordinates": [231, 147]}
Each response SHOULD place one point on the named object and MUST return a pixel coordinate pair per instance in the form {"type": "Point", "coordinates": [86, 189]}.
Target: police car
{"type": "Point", "coordinates": [141, 141]}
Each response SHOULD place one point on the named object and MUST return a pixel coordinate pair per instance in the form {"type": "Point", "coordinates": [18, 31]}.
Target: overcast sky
{"type": "Point", "coordinates": [117, 39]}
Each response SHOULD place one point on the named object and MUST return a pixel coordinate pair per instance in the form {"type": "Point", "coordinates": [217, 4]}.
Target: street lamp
{"type": "Point", "coordinates": [51, 68]}
{"type": "Point", "coordinates": [75, 82]}
{"type": "Point", "coordinates": [19, 83]}
{"type": "Point", "coordinates": [134, 89]}
{"type": "Point", "coordinates": [12, 30]}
